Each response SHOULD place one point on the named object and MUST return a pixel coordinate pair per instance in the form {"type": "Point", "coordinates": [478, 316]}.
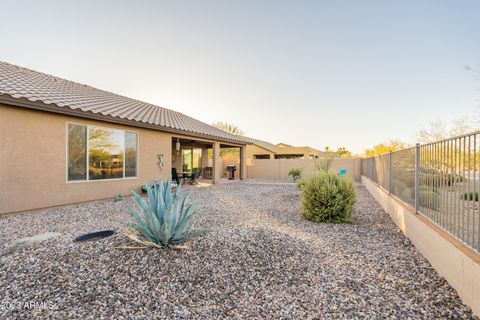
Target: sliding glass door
{"type": "Point", "coordinates": [192, 159]}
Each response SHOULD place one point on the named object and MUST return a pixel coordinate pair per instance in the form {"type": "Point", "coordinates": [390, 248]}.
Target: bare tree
{"type": "Point", "coordinates": [438, 130]}
{"type": "Point", "coordinates": [461, 125]}
{"type": "Point", "coordinates": [228, 127]}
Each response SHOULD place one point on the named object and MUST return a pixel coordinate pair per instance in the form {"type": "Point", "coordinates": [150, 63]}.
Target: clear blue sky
{"type": "Point", "coordinates": [318, 73]}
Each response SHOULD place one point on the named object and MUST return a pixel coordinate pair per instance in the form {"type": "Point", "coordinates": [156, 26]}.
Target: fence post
{"type": "Point", "coordinates": [371, 168]}
{"type": "Point", "coordinates": [390, 173]}
{"type": "Point", "coordinates": [417, 177]}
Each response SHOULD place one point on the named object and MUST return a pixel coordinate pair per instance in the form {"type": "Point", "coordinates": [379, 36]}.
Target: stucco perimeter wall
{"type": "Point", "coordinates": [459, 265]}
{"type": "Point", "coordinates": [253, 149]}
{"type": "Point", "coordinates": [230, 161]}
{"type": "Point", "coordinates": [279, 168]}
{"type": "Point", "coordinates": [33, 161]}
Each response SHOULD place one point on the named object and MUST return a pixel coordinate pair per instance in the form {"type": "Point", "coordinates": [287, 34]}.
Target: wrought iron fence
{"type": "Point", "coordinates": [440, 180]}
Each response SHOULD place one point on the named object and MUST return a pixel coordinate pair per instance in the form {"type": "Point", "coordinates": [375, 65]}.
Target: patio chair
{"type": "Point", "coordinates": [175, 176]}
{"type": "Point", "coordinates": [195, 175]}
{"type": "Point", "coordinates": [342, 172]}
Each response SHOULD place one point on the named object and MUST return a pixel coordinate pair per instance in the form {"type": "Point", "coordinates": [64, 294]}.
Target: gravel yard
{"type": "Point", "coordinates": [261, 259]}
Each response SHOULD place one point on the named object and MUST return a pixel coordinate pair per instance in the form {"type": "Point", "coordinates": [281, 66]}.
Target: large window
{"type": "Point", "coordinates": [77, 152]}
{"type": "Point", "coordinates": [289, 156]}
{"type": "Point", "coordinates": [107, 153]}
{"type": "Point", "coordinates": [130, 154]}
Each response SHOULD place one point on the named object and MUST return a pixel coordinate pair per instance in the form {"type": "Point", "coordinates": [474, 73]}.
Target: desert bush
{"type": "Point", "coordinates": [440, 179]}
{"type": "Point", "coordinates": [428, 170]}
{"type": "Point", "coordinates": [398, 186]}
{"type": "Point", "coordinates": [300, 184]}
{"type": "Point", "coordinates": [295, 173]}
{"type": "Point", "coordinates": [429, 197]}
{"type": "Point", "coordinates": [404, 175]}
{"type": "Point", "coordinates": [166, 219]}
{"type": "Point", "coordinates": [470, 196]}
{"type": "Point", "coordinates": [328, 198]}
{"type": "Point", "coordinates": [324, 164]}
{"type": "Point", "coordinates": [402, 190]}
{"type": "Point", "coordinates": [427, 177]}
{"type": "Point", "coordinates": [453, 178]}
{"type": "Point", "coordinates": [426, 189]}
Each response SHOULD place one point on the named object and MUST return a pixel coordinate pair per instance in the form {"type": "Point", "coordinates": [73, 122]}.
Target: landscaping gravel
{"type": "Point", "coordinates": [260, 259]}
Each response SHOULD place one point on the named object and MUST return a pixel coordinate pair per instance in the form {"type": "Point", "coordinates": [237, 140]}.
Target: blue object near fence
{"type": "Point", "coordinates": [342, 172]}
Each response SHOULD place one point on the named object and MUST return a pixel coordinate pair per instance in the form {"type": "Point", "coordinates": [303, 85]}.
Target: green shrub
{"type": "Point", "coordinates": [429, 188]}
{"type": "Point", "coordinates": [300, 184]}
{"type": "Point", "coordinates": [328, 198]}
{"type": "Point", "coordinates": [165, 219]}
{"type": "Point", "coordinates": [441, 179]}
{"type": "Point", "coordinates": [453, 178]}
{"type": "Point", "coordinates": [401, 190]}
{"type": "Point", "coordinates": [295, 173]}
{"type": "Point", "coordinates": [429, 197]}
{"type": "Point", "coordinates": [425, 189]}
{"type": "Point", "coordinates": [404, 175]}
{"type": "Point", "coordinates": [398, 186]}
{"type": "Point", "coordinates": [324, 164]}
{"type": "Point", "coordinates": [469, 196]}
{"type": "Point", "coordinates": [428, 171]}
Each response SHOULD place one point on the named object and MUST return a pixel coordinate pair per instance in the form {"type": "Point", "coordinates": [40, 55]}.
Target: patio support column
{"type": "Point", "coordinates": [204, 158]}
{"type": "Point", "coordinates": [243, 163]}
{"type": "Point", "coordinates": [216, 163]}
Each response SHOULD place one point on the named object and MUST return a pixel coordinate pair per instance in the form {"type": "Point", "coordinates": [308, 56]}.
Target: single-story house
{"type": "Point", "coordinates": [286, 151]}
{"type": "Point", "coordinates": [258, 149]}
{"type": "Point", "coordinates": [64, 142]}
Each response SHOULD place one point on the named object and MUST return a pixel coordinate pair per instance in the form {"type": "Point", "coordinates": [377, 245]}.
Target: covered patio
{"type": "Point", "coordinates": [201, 159]}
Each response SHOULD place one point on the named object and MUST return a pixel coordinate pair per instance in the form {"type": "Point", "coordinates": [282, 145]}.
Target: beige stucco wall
{"type": "Point", "coordinates": [176, 159]}
{"type": "Point", "coordinates": [33, 161]}
{"type": "Point", "coordinates": [253, 149]}
{"type": "Point", "coordinates": [229, 161]}
{"type": "Point", "coordinates": [279, 168]}
{"type": "Point", "coordinates": [352, 165]}
{"type": "Point", "coordinates": [458, 264]}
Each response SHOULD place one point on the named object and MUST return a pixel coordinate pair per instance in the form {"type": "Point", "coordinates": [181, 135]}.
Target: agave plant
{"type": "Point", "coordinates": [165, 219]}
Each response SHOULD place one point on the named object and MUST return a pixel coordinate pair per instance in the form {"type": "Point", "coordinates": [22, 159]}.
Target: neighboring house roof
{"type": "Point", "coordinates": [263, 144]}
{"type": "Point", "coordinates": [282, 148]}
{"type": "Point", "coordinates": [50, 93]}
{"type": "Point", "coordinates": [281, 144]}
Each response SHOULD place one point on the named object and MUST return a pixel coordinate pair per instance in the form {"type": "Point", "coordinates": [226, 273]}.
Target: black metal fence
{"type": "Point", "coordinates": [440, 180]}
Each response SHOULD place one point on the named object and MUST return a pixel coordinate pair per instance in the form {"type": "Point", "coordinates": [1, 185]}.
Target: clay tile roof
{"type": "Point", "coordinates": [18, 82]}
{"type": "Point", "coordinates": [264, 144]}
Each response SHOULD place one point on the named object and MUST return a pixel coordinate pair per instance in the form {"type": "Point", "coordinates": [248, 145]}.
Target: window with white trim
{"type": "Point", "coordinates": [96, 153]}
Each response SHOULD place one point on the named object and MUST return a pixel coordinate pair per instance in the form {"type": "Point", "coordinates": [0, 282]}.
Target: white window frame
{"type": "Point", "coordinates": [87, 156]}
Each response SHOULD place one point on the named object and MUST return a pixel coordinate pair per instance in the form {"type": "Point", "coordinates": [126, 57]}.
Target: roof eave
{"type": "Point", "coordinates": [54, 108]}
